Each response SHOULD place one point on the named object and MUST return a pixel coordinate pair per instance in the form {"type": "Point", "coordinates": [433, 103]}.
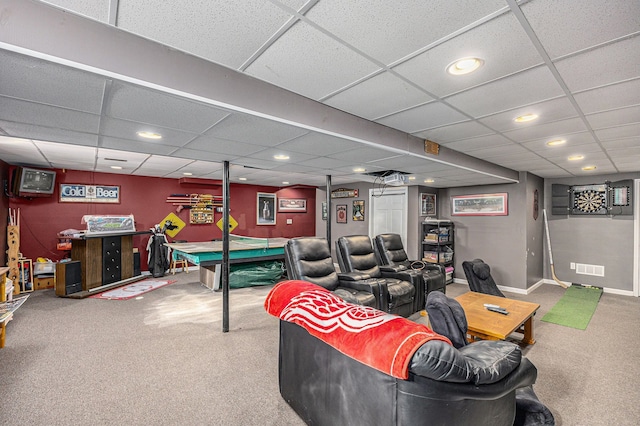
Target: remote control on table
{"type": "Point", "coordinates": [499, 310]}
{"type": "Point", "coordinates": [489, 305]}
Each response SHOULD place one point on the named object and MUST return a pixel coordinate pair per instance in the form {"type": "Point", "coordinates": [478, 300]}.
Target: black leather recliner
{"type": "Point", "coordinates": [479, 277]}
{"type": "Point", "coordinates": [447, 317]}
{"type": "Point", "coordinates": [309, 259]}
{"type": "Point", "coordinates": [392, 258]}
{"type": "Point", "coordinates": [355, 254]}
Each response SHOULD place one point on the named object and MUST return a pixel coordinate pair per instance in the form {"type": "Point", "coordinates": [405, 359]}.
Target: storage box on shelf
{"type": "Point", "coordinates": [437, 240]}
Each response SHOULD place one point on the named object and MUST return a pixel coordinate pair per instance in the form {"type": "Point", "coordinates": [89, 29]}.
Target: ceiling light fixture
{"type": "Point", "coordinates": [556, 142]}
{"type": "Point", "coordinates": [464, 66]}
{"type": "Point", "coordinates": [242, 178]}
{"type": "Point", "coordinates": [525, 118]}
{"type": "Point", "coordinates": [187, 174]}
{"type": "Point", "coordinates": [429, 181]}
{"type": "Point", "coordinates": [149, 135]}
{"type": "Point", "coordinates": [281, 157]}
{"type": "Point", "coordinates": [285, 183]}
{"type": "Point", "coordinates": [588, 168]}
{"type": "Point", "coordinates": [359, 170]}
{"type": "Point", "coordinates": [575, 157]}
{"type": "Point", "coordinates": [412, 178]}
{"type": "Point", "coordinates": [116, 167]}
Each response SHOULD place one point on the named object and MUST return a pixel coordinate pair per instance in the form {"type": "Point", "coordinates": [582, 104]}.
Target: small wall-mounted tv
{"type": "Point", "coordinates": [30, 182]}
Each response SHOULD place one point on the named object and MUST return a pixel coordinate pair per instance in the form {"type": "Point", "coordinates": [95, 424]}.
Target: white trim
{"type": "Point", "coordinates": [545, 281]}
{"type": "Point", "coordinates": [376, 192]}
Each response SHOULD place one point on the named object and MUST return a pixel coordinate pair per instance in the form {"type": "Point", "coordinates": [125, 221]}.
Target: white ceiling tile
{"type": "Point", "coordinates": [128, 145]}
{"type": "Point", "coordinates": [454, 132]}
{"type": "Point", "coordinates": [225, 32]}
{"type": "Point", "coordinates": [222, 146]}
{"type": "Point", "coordinates": [143, 105]}
{"type": "Point", "coordinates": [524, 88]}
{"type": "Point", "coordinates": [500, 151]}
{"type": "Point", "coordinates": [614, 118]}
{"type": "Point", "coordinates": [487, 42]}
{"type": "Point", "coordinates": [49, 116]}
{"type": "Point", "coordinates": [325, 163]}
{"type": "Point", "coordinates": [622, 143]}
{"type": "Point", "coordinates": [307, 61]}
{"type": "Point", "coordinates": [570, 25]}
{"type": "Point", "coordinates": [50, 134]}
{"type": "Point", "coordinates": [254, 130]}
{"type": "Point", "coordinates": [270, 153]}
{"type": "Point", "coordinates": [319, 144]}
{"type": "Point", "coordinates": [364, 154]}
{"type": "Point", "coordinates": [196, 154]}
{"type": "Point", "coordinates": [388, 31]}
{"type": "Point", "coordinates": [602, 66]}
{"type": "Point", "coordinates": [553, 110]}
{"type": "Point", "coordinates": [609, 97]}
{"type": "Point", "coordinates": [57, 153]}
{"type": "Point", "coordinates": [41, 81]}
{"type": "Point", "coordinates": [547, 130]}
{"type": "Point", "coordinates": [482, 142]}
{"type": "Point", "coordinates": [122, 129]}
{"type": "Point", "coordinates": [433, 114]}
{"type": "Point", "coordinates": [628, 130]}
{"type": "Point", "coordinates": [378, 96]}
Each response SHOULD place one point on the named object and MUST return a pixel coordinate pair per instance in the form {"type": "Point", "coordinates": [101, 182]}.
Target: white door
{"type": "Point", "coordinates": [388, 212]}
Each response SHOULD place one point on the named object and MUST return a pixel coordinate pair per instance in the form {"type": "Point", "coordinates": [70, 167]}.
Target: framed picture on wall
{"type": "Point", "coordinates": [292, 205]}
{"type": "Point", "coordinates": [427, 204]}
{"type": "Point", "coordinates": [358, 210]}
{"type": "Point", "coordinates": [266, 209]}
{"type": "Point", "coordinates": [341, 213]}
{"type": "Point", "coordinates": [480, 205]}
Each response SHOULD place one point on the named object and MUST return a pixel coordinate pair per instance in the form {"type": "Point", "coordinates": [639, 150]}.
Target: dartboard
{"type": "Point", "coordinates": [590, 201]}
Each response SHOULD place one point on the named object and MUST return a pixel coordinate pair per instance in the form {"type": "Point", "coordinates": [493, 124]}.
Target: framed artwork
{"type": "Point", "coordinates": [427, 204]}
{"type": "Point", "coordinates": [341, 213]}
{"type": "Point", "coordinates": [292, 205]}
{"type": "Point", "coordinates": [324, 210]}
{"type": "Point", "coordinates": [480, 205]}
{"type": "Point", "coordinates": [358, 210]}
{"type": "Point", "coordinates": [266, 209]}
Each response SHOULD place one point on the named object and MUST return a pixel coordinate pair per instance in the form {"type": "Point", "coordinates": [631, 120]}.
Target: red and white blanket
{"type": "Point", "coordinates": [382, 341]}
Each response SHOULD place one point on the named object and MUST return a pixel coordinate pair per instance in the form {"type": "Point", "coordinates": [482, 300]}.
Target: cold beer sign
{"type": "Point", "coordinates": [76, 193]}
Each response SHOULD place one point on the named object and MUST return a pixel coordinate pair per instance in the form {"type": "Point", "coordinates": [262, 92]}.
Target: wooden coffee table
{"type": "Point", "coordinates": [487, 325]}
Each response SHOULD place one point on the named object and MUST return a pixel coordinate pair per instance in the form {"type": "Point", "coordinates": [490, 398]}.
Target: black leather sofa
{"type": "Point", "coordinates": [475, 385]}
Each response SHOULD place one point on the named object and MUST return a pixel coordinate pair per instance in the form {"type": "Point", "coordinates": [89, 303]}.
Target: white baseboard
{"type": "Point", "coordinates": [545, 281]}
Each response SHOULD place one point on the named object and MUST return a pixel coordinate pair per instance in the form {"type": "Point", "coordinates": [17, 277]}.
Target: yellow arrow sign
{"type": "Point", "coordinates": [232, 223]}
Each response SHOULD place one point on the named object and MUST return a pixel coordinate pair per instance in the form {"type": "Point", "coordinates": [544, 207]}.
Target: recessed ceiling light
{"type": "Point", "coordinates": [116, 167]}
{"type": "Point", "coordinates": [359, 170]}
{"type": "Point", "coordinates": [281, 157]}
{"type": "Point", "coordinates": [285, 183]}
{"type": "Point", "coordinates": [429, 181]}
{"type": "Point", "coordinates": [525, 118]}
{"type": "Point", "coordinates": [576, 157]}
{"type": "Point", "coordinates": [556, 142]}
{"type": "Point", "coordinates": [150, 135]}
{"type": "Point", "coordinates": [242, 178]}
{"type": "Point", "coordinates": [588, 168]}
{"type": "Point", "coordinates": [412, 178]}
{"type": "Point", "coordinates": [464, 66]}
{"type": "Point", "coordinates": [187, 174]}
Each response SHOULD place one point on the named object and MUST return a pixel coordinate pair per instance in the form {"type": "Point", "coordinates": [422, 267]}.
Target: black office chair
{"type": "Point", "coordinates": [447, 317]}
{"type": "Point", "coordinates": [479, 277]}
{"type": "Point", "coordinates": [309, 259]}
{"type": "Point", "coordinates": [355, 254]}
{"type": "Point", "coordinates": [392, 258]}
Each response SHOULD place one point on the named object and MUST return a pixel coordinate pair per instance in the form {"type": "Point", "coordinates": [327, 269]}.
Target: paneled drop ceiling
{"type": "Point", "coordinates": [334, 85]}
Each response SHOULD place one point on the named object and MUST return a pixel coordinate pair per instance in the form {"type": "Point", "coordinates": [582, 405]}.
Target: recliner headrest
{"type": "Point", "coordinates": [482, 270]}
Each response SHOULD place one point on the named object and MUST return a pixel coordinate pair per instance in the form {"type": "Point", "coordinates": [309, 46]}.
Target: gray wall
{"type": "Point", "coordinates": [594, 240]}
{"type": "Point", "coordinates": [514, 245]}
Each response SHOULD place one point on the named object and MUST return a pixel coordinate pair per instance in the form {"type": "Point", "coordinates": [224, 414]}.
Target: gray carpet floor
{"type": "Point", "coordinates": [163, 360]}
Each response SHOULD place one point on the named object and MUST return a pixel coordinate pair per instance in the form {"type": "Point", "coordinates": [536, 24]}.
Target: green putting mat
{"type": "Point", "coordinates": [575, 308]}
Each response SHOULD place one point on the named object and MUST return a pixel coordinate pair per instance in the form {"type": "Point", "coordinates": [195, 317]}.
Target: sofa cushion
{"type": "Point", "coordinates": [480, 363]}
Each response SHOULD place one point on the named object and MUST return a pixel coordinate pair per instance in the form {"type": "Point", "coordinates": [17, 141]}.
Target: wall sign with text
{"type": "Point", "coordinates": [78, 193]}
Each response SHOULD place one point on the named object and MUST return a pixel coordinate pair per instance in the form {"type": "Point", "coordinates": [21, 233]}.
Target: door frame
{"type": "Point", "coordinates": [636, 238]}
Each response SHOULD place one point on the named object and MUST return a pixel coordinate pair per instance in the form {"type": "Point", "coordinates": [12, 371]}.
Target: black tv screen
{"type": "Point", "coordinates": [35, 181]}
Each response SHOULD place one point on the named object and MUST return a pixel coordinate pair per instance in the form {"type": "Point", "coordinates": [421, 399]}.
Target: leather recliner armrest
{"type": "Point", "coordinates": [393, 268]}
{"type": "Point", "coordinates": [353, 276]}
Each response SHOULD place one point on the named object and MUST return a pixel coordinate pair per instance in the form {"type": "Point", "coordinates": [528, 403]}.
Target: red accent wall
{"type": "Point", "coordinates": [145, 197]}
